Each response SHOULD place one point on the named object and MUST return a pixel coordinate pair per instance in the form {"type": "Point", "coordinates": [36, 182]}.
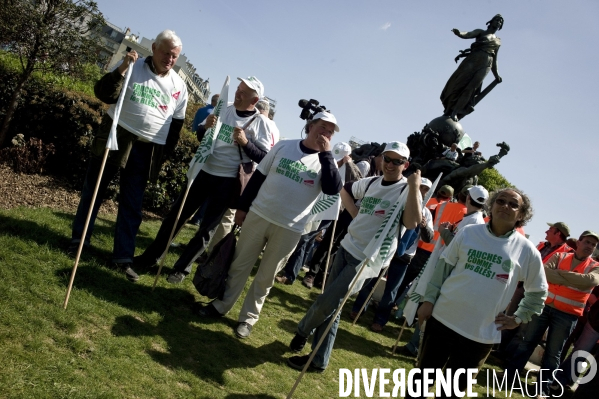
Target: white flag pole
{"type": "Point", "coordinates": [368, 299]}
{"type": "Point", "coordinates": [111, 144]}
{"type": "Point", "coordinates": [326, 331]}
{"type": "Point", "coordinates": [326, 267]}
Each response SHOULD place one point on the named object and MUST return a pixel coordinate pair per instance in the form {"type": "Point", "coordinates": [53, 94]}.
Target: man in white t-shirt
{"type": "Point", "coordinates": [473, 283]}
{"type": "Point", "coordinates": [450, 153]}
{"type": "Point", "coordinates": [217, 182]}
{"type": "Point", "coordinates": [274, 209]}
{"type": "Point", "coordinates": [228, 220]}
{"type": "Point", "coordinates": [148, 129]}
{"type": "Point", "coordinates": [377, 200]}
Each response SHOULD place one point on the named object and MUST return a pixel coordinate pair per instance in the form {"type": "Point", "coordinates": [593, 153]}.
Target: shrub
{"type": "Point", "coordinates": [26, 157]}
{"type": "Point", "coordinates": [173, 175]}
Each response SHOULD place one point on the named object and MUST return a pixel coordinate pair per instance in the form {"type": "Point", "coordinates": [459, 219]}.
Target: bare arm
{"type": "Point", "coordinates": [467, 35]}
{"type": "Point", "coordinates": [348, 203]}
{"type": "Point", "coordinates": [412, 215]}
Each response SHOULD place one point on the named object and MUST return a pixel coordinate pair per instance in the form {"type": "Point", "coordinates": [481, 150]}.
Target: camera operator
{"type": "Point", "coordinates": [274, 209]}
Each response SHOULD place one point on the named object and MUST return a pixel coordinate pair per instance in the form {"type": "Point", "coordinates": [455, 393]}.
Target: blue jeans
{"type": "Point", "coordinates": [396, 272]}
{"type": "Point", "coordinates": [132, 186]}
{"type": "Point", "coordinates": [560, 326]}
{"type": "Point", "coordinates": [299, 257]}
{"type": "Point", "coordinates": [586, 342]}
{"type": "Point", "coordinates": [319, 315]}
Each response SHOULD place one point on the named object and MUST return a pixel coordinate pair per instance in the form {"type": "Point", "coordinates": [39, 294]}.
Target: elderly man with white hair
{"type": "Point", "coordinates": [148, 129]}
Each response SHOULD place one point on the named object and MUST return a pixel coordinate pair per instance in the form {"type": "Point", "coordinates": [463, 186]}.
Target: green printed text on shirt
{"type": "Point", "coordinates": [368, 204]}
{"type": "Point", "coordinates": [291, 169]}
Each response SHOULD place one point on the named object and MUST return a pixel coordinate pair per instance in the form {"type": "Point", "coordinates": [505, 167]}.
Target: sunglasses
{"type": "Point", "coordinates": [395, 162]}
{"type": "Point", "coordinates": [501, 202]}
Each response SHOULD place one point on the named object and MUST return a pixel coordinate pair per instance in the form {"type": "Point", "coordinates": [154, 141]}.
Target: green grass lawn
{"type": "Point", "coordinates": [123, 340]}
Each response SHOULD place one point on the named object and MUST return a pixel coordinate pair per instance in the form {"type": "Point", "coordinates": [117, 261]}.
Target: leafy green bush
{"type": "Point", "coordinates": [491, 179]}
{"type": "Point", "coordinates": [68, 119]}
{"type": "Point", "coordinates": [172, 178]}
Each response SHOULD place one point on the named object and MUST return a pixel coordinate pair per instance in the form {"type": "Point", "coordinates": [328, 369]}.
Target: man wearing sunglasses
{"type": "Point", "coordinates": [378, 199]}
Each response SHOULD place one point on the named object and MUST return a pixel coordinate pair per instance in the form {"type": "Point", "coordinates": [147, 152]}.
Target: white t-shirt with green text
{"type": "Point", "coordinates": [225, 159]}
{"type": "Point", "coordinates": [375, 205]}
{"type": "Point", "coordinates": [151, 102]}
{"type": "Point", "coordinates": [291, 187]}
{"type": "Point", "coordinates": [487, 271]}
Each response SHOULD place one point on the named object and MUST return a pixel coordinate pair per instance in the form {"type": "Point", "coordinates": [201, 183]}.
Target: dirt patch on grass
{"type": "Point", "coordinates": [36, 191]}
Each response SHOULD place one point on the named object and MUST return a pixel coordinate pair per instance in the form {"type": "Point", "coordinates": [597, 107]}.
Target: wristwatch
{"type": "Point", "coordinates": [518, 320]}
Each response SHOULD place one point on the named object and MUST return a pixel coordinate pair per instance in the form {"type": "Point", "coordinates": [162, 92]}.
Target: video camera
{"type": "Point", "coordinates": [310, 108]}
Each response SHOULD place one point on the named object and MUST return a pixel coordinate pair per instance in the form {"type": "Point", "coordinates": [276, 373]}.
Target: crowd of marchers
{"type": "Point", "coordinates": [488, 288]}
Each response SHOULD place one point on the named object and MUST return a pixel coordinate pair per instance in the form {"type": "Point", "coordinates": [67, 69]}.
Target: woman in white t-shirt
{"type": "Point", "coordinates": [473, 283]}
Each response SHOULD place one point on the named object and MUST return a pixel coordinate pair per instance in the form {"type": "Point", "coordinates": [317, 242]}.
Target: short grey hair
{"type": "Point", "coordinates": [168, 35]}
{"type": "Point", "coordinates": [525, 210]}
{"type": "Point", "coordinates": [263, 106]}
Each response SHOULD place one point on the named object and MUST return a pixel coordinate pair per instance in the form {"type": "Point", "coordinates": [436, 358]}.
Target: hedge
{"type": "Point", "coordinates": [65, 120]}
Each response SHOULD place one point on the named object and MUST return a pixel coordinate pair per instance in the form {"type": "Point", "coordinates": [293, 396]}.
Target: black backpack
{"type": "Point", "coordinates": [211, 276]}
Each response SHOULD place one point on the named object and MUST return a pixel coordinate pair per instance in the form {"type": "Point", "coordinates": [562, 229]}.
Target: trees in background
{"type": "Point", "coordinates": [61, 36]}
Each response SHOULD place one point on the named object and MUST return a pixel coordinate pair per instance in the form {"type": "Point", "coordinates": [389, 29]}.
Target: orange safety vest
{"type": "Point", "coordinates": [445, 212]}
{"type": "Point", "coordinates": [562, 248]}
{"type": "Point", "coordinates": [569, 299]}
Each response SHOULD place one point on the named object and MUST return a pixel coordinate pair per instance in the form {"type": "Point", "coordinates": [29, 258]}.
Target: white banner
{"type": "Point", "coordinates": [112, 144]}
{"type": "Point", "coordinates": [206, 146]}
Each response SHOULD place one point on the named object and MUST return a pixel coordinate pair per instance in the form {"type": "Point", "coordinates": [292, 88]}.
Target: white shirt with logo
{"type": "Point", "coordinates": [151, 102]}
{"type": "Point", "coordinates": [225, 158]}
{"type": "Point", "coordinates": [291, 187]}
{"type": "Point", "coordinates": [487, 271]}
{"type": "Point", "coordinates": [375, 205]}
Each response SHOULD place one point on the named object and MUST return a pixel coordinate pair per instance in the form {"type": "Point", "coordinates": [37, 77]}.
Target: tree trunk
{"type": "Point", "coordinates": [12, 107]}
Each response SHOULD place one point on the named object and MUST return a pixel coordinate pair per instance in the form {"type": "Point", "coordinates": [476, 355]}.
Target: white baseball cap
{"type": "Point", "coordinates": [341, 150]}
{"type": "Point", "coordinates": [479, 194]}
{"type": "Point", "coordinates": [328, 117]}
{"type": "Point", "coordinates": [398, 148]}
{"type": "Point", "coordinates": [253, 83]}
{"type": "Point", "coordinates": [426, 182]}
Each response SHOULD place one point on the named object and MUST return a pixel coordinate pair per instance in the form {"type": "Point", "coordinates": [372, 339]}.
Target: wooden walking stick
{"type": "Point", "coordinates": [163, 257]}
{"type": "Point", "coordinates": [111, 144]}
{"type": "Point", "coordinates": [368, 299]}
{"type": "Point", "coordinates": [326, 267]}
{"type": "Point", "coordinates": [403, 327]}
{"type": "Point", "coordinates": [326, 331]}
{"type": "Point", "coordinates": [85, 227]}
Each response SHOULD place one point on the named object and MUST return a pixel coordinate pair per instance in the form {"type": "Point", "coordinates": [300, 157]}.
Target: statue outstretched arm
{"type": "Point", "coordinates": [467, 35]}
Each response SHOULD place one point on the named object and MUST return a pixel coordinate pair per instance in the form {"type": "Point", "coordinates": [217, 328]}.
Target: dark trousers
{"type": "Point", "coordinates": [444, 348]}
{"type": "Point", "coordinates": [133, 180]}
{"type": "Point", "coordinates": [216, 192]}
{"type": "Point", "coordinates": [319, 258]}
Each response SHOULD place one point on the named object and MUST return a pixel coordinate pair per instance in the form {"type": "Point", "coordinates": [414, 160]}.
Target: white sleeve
{"type": "Point", "coordinates": [452, 251]}
{"type": "Point", "coordinates": [262, 138]}
{"type": "Point", "coordinates": [181, 104]}
{"type": "Point", "coordinates": [359, 188]}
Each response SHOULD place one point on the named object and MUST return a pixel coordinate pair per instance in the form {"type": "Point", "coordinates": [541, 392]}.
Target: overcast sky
{"type": "Point", "coordinates": [380, 67]}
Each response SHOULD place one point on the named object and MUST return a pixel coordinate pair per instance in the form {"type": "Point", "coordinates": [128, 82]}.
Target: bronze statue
{"type": "Point", "coordinates": [463, 89]}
